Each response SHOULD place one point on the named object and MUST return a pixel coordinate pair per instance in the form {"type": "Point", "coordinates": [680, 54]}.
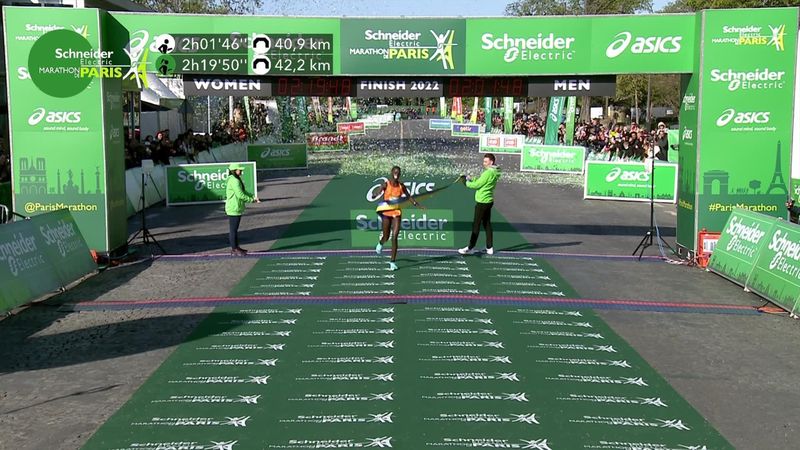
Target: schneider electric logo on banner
{"type": "Point", "coordinates": [407, 45]}
{"type": "Point", "coordinates": [751, 35]}
{"type": "Point", "coordinates": [761, 79]}
{"type": "Point", "coordinates": [21, 254]}
{"type": "Point", "coordinates": [204, 180]}
{"type": "Point", "coordinates": [428, 228]}
{"type": "Point", "coordinates": [625, 41]}
{"type": "Point", "coordinates": [542, 47]}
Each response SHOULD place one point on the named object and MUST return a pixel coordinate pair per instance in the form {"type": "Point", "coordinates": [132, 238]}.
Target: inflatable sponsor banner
{"type": "Point", "coordinates": [629, 181]}
{"type": "Point", "coordinates": [66, 127]}
{"type": "Point", "coordinates": [40, 255]}
{"type": "Point", "coordinates": [465, 130]}
{"type": "Point", "coordinates": [739, 245]}
{"type": "Point", "coordinates": [501, 143]}
{"type": "Point", "coordinates": [776, 274]}
{"type": "Point", "coordinates": [401, 46]}
{"type": "Point", "coordinates": [278, 156]}
{"type": "Point", "coordinates": [747, 87]}
{"type": "Point", "coordinates": [191, 184]}
{"type": "Point", "coordinates": [351, 128]}
{"type": "Point", "coordinates": [571, 45]}
{"type": "Point", "coordinates": [440, 124]}
{"type": "Point", "coordinates": [552, 158]}
{"type": "Point", "coordinates": [327, 142]}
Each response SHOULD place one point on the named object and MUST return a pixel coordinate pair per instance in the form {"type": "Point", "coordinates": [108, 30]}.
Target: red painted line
{"type": "Point", "coordinates": [422, 297]}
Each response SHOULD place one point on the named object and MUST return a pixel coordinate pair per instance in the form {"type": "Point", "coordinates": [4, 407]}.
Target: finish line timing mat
{"type": "Point", "coordinates": [407, 376]}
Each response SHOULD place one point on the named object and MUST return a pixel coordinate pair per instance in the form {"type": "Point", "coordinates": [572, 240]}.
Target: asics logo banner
{"type": "Point", "coordinates": [40, 114]}
{"type": "Point", "coordinates": [643, 45]}
{"type": "Point", "coordinates": [742, 118]}
{"type": "Point", "coordinates": [626, 175]}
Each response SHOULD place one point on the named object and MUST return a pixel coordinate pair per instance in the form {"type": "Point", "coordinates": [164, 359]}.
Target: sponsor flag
{"type": "Point", "coordinates": [487, 108]}
{"type": "Point", "coordinates": [474, 117]}
{"type": "Point", "coordinates": [508, 112]}
{"type": "Point", "coordinates": [330, 109]}
{"type": "Point", "coordinates": [317, 109]}
{"type": "Point", "coordinates": [442, 107]}
{"type": "Point", "coordinates": [569, 133]}
{"type": "Point", "coordinates": [302, 114]}
{"type": "Point", "coordinates": [553, 120]}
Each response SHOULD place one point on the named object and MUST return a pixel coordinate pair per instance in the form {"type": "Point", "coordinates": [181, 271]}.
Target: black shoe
{"type": "Point", "coordinates": [238, 252]}
{"type": "Point", "coordinates": [241, 250]}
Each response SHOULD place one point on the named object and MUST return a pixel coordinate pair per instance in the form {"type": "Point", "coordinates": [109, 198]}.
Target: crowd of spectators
{"type": "Point", "coordinates": [622, 142]}
{"type": "Point", "coordinates": [5, 164]}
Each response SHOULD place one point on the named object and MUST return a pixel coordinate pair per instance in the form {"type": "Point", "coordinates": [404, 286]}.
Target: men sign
{"type": "Point", "coordinates": [278, 156]}
{"type": "Point", "coordinates": [191, 184]}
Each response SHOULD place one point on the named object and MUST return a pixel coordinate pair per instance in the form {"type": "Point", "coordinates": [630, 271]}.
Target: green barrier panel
{"type": "Point", "coordinates": [552, 158]}
{"type": "Point", "coordinates": [629, 181]}
{"type": "Point", "coordinates": [193, 184]}
{"type": "Point", "coordinates": [407, 377]}
{"type": "Point", "coordinates": [501, 143]}
{"type": "Point", "coordinates": [278, 156]}
{"type": "Point", "coordinates": [776, 274]}
{"type": "Point", "coordinates": [674, 142]}
{"type": "Point", "coordinates": [5, 195]}
{"type": "Point", "coordinates": [40, 255]}
{"type": "Point", "coordinates": [740, 244]}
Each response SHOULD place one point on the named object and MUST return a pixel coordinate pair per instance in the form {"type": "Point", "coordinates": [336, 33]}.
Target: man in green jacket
{"type": "Point", "coordinates": [235, 199]}
{"type": "Point", "coordinates": [484, 200]}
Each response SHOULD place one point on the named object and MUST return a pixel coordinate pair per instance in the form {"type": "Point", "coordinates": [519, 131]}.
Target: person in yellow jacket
{"type": "Point", "coordinates": [484, 200]}
{"type": "Point", "coordinates": [235, 199]}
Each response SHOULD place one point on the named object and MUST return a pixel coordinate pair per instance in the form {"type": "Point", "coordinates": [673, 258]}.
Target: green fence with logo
{"type": "Point", "coordinates": [40, 255]}
{"type": "Point", "coordinates": [630, 181]}
{"type": "Point", "coordinates": [762, 254]}
{"type": "Point", "coordinates": [278, 156]}
{"type": "Point", "coordinates": [191, 184]}
{"type": "Point", "coordinates": [552, 158]}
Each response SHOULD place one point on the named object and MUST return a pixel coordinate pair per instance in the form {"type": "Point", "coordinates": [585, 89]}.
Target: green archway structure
{"type": "Point", "coordinates": [736, 117]}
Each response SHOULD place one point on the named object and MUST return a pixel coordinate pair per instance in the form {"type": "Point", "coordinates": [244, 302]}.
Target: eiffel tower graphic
{"type": "Point", "coordinates": [778, 183]}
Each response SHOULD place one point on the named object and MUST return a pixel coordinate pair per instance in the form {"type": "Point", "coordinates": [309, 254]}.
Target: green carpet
{"type": "Point", "coordinates": [408, 377]}
{"type": "Point", "coordinates": [342, 218]}
{"type": "Point", "coordinates": [417, 275]}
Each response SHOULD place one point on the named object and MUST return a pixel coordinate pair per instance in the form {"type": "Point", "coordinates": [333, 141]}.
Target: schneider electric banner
{"type": "Point", "coordinates": [191, 184]}
{"type": "Point", "coordinates": [278, 156]}
{"type": "Point", "coordinates": [629, 181]}
{"type": "Point", "coordinates": [746, 113]}
{"type": "Point", "coordinates": [552, 158]}
{"type": "Point", "coordinates": [761, 253]}
{"type": "Point", "coordinates": [739, 244]}
{"type": "Point", "coordinates": [40, 255]}
{"type": "Point", "coordinates": [65, 123]}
